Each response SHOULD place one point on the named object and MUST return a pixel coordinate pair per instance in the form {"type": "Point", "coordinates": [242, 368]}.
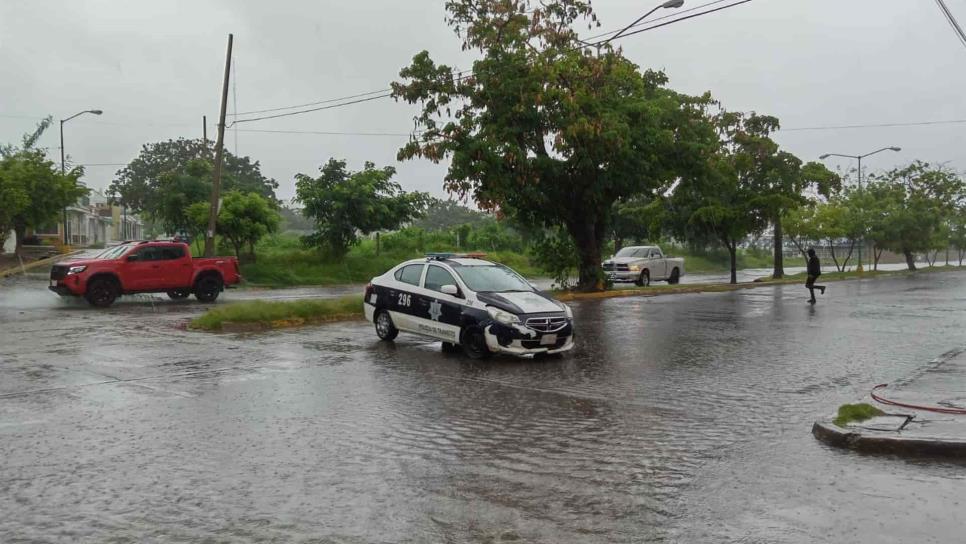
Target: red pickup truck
{"type": "Point", "coordinates": [144, 267]}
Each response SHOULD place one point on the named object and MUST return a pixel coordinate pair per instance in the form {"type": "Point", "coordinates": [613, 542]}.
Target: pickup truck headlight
{"type": "Point", "coordinates": [76, 270]}
{"type": "Point", "coordinates": [503, 317]}
{"type": "Point", "coordinates": [634, 267]}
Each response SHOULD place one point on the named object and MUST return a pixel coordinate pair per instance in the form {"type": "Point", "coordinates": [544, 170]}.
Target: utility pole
{"type": "Point", "coordinates": [219, 149]}
{"type": "Point", "coordinates": [204, 130]}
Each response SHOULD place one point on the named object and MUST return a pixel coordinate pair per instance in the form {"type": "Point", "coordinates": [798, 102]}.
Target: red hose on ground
{"type": "Point", "coordinates": [939, 409]}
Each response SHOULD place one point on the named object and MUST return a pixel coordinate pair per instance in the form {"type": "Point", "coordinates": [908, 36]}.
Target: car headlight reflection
{"type": "Point", "coordinates": [503, 317]}
{"type": "Point", "coordinates": [76, 270]}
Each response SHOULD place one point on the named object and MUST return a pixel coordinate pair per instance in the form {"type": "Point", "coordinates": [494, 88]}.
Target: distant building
{"type": "Point", "coordinates": [93, 222]}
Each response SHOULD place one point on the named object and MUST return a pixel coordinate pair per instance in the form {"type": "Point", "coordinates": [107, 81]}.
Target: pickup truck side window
{"type": "Point", "coordinates": [152, 253]}
{"type": "Point", "coordinates": [170, 253]}
{"type": "Point", "coordinates": [410, 274]}
{"type": "Point", "coordinates": [437, 277]}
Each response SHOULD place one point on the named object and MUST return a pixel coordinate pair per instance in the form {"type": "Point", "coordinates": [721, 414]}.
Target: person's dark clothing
{"type": "Point", "coordinates": [814, 266]}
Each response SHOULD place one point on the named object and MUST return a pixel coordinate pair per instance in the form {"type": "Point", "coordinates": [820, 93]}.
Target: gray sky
{"type": "Point", "coordinates": [155, 68]}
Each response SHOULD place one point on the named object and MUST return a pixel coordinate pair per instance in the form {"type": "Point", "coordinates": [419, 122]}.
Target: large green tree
{"type": "Point", "coordinates": [724, 201]}
{"type": "Point", "coordinates": [344, 203]}
{"type": "Point", "coordinates": [545, 129]}
{"type": "Point", "coordinates": [33, 192]}
{"type": "Point", "coordinates": [139, 185]}
{"type": "Point", "coordinates": [922, 198]}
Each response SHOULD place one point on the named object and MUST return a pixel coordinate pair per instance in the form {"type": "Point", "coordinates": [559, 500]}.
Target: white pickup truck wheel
{"type": "Point", "coordinates": [644, 279]}
{"type": "Point", "coordinates": [675, 277]}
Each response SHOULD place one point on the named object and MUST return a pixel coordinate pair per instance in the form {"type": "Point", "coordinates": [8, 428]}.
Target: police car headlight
{"type": "Point", "coordinates": [503, 317]}
{"type": "Point", "coordinates": [568, 311]}
{"type": "Point", "coordinates": [76, 270]}
{"type": "Point", "coordinates": [634, 267]}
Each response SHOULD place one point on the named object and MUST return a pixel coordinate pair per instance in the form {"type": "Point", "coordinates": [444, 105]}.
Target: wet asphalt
{"type": "Point", "coordinates": [679, 418]}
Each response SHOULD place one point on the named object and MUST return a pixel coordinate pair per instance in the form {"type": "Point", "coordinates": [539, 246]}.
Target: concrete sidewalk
{"type": "Point", "coordinates": [904, 429]}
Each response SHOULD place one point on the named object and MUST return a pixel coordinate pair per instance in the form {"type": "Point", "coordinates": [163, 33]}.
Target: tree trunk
{"type": "Point", "coordinates": [20, 232]}
{"type": "Point", "coordinates": [848, 256]}
{"type": "Point", "coordinates": [733, 254]}
{"type": "Point", "coordinates": [779, 271]}
{"type": "Point", "coordinates": [947, 256]}
{"type": "Point", "coordinates": [876, 255]}
{"type": "Point", "coordinates": [910, 260]}
{"type": "Point", "coordinates": [588, 238]}
{"type": "Point", "coordinates": [251, 251]}
{"type": "Point", "coordinates": [831, 250]}
{"type": "Point", "coordinates": [962, 253]}
{"type": "Point", "coordinates": [618, 244]}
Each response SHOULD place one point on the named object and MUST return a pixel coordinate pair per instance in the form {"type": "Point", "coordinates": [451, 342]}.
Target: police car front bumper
{"type": "Point", "coordinates": [521, 341]}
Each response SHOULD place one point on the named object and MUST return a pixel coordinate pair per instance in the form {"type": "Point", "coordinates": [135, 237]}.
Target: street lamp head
{"type": "Point", "coordinates": [896, 148]}
{"type": "Point", "coordinates": [825, 156]}
{"type": "Point", "coordinates": [95, 112]}
{"type": "Point", "coordinates": [672, 4]}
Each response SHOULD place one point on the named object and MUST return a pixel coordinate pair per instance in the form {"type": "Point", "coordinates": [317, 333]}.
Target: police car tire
{"type": "Point", "coordinates": [449, 347]}
{"type": "Point", "coordinates": [474, 343]}
{"type": "Point", "coordinates": [388, 332]}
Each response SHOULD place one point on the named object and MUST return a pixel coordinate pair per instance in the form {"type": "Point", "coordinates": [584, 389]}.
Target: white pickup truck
{"type": "Point", "coordinates": [642, 264]}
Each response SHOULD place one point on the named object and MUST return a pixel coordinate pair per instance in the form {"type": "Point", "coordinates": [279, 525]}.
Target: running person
{"type": "Point", "coordinates": [814, 271]}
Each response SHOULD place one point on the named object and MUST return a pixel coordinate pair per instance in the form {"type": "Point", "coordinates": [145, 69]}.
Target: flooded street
{"type": "Point", "coordinates": [676, 418]}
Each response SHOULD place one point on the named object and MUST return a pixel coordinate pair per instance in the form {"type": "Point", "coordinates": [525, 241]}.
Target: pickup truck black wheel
{"type": "Point", "coordinates": [675, 277]}
{"type": "Point", "coordinates": [644, 279]}
{"type": "Point", "coordinates": [208, 288]}
{"type": "Point", "coordinates": [474, 344]}
{"type": "Point", "coordinates": [385, 328]}
{"type": "Point", "coordinates": [102, 292]}
{"type": "Point", "coordinates": [181, 294]}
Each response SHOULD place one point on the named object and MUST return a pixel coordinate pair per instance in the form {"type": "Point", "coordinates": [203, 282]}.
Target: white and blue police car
{"type": "Point", "coordinates": [466, 301]}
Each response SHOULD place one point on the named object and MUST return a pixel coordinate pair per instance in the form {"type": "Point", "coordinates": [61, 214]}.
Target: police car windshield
{"type": "Point", "coordinates": [491, 279]}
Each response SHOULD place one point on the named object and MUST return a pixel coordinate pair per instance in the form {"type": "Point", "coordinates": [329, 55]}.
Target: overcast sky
{"type": "Point", "coordinates": [155, 69]}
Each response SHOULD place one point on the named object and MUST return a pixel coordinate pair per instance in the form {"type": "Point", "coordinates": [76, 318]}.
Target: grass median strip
{"type": "Point", "coordinates": [260, 314]}
{"type": "Point", "coordinates": [854, 413]}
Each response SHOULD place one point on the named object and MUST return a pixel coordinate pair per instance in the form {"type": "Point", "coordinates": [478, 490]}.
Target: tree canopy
{"type": "Point", "coordinates": [344, 203]}
{"type": "Point", "coordinates": [140, 184]}
{"type": "Point", "coordinates": [544, 129]}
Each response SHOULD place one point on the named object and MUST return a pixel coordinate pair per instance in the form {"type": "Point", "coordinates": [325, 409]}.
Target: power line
{"type": "Point", "coordinates": [676, 13]}
{"type": "Point", "coordinates": [385, 93]}
{"type": "Point", "coordinates": [958, 30]}
{"type": "Point", "coordinates": [328, 133]}
{"type": "Point", "coordinates": [875, 125]}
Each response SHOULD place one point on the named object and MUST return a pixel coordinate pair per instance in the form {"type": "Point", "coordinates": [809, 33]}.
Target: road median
{"type": "Point", "coordinates": [258, 315]}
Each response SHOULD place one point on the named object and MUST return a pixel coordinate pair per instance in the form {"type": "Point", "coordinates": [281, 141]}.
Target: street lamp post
{"type": "Point", "coordinates": [62, 160]}
{"type": "Point", "coordinates": [859, 159]}
{"type": "Point", "coordinates": [670, 4]}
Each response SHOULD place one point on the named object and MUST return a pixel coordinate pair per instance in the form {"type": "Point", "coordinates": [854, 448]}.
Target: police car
{"type": "Point", "coordinates": [467, 301]}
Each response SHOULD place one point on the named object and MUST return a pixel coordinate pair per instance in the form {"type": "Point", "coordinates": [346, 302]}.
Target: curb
{"type": "Point", "coordinates": [886, 442]}
{"type": "Point", "coordinates": [35, 264]}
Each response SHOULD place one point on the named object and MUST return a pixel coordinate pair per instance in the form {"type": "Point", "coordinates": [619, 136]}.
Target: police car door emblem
{"type": "Point", "coordinates": [435, 310]}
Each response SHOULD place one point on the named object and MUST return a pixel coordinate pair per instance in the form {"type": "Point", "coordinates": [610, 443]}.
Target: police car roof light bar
{"type": "Point", "coordinates": [444, 256]}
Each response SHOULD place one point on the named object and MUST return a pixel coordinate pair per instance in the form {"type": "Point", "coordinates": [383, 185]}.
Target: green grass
{"type": "Point", "coordinates": [849, 413]}
{"type": "Point", "coordinates": [283, 262]}
{"type": "Point", "coordinates": [269, 314]}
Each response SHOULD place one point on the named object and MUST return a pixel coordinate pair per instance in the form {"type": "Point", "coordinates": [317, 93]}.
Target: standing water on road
{"type": "Point", "coordinates": [677, 418]}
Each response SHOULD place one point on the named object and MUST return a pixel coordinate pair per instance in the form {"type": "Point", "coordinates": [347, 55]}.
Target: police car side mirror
{"type": "Point", "coordinates": [451, 290]}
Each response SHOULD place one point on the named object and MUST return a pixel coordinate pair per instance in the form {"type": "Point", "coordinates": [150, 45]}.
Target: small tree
{"type": "Point", "coordinates": [957, 233]}
{"type": "Point", "coordinates": [243, 219]}
{"type": "Point", "coordinates": [344, 204]}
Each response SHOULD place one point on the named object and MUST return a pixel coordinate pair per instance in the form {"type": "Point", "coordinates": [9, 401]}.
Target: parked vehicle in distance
{"type": "Point", "coordinates": [642, 265]}
{"type": "Point", "coordinates": [466, 301]}
{"type": "Point", "coordinates": [144, 267]}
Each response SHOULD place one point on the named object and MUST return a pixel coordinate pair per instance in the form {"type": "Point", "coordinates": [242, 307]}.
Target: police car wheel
{"type": "Point", "coordinates": [449, 347]}
{"type": "Point", "coordinates": [474, 344]}
{"type": "Point", "coordinates": [385, 328]}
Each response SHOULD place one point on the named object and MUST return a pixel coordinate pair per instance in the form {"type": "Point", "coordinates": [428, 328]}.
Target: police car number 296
{"type": "Point", "coordinates": [467, 301]}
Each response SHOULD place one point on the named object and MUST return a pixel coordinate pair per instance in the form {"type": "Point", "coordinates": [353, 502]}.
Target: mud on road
{"type": "Point", "coordinates": [679, 418]}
